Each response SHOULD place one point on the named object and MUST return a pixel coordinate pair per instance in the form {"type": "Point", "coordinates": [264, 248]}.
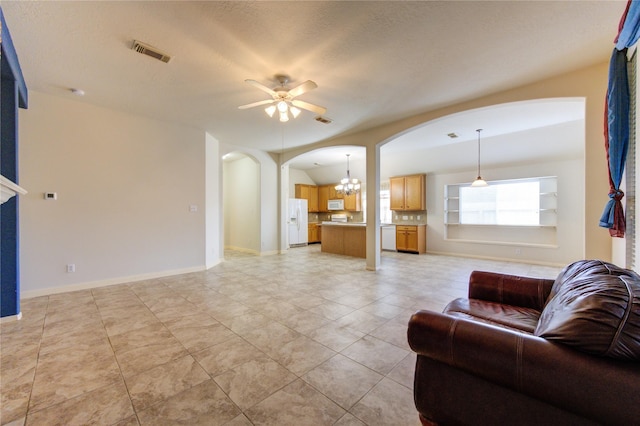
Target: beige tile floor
{"type": "Point", "coordinates": [305, 338]}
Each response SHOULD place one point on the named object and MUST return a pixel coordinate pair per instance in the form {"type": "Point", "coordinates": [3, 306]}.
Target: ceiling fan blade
{"type": "Point", "coordinates": [303, 88]}
{"type": "Point", "coordinates": [309, 107]}
{"type": "Point", "coordinates": [255, 104]}
{"type": "Point", "coordinates": [261, 87]}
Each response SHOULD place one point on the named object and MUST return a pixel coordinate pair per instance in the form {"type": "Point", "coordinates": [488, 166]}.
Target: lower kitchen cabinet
{"type": "Point", "coordinates": [411, 238]}
{"type": "Point", "coordinates": [314, 233]}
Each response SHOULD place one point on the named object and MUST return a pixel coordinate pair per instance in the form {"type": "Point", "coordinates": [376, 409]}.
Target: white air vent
{"type": "Point", "coordinates": [323, 120]}
{"type": "Point", "coordinates": [145, 49]}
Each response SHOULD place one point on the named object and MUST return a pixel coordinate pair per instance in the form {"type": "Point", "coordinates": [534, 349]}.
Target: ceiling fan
{"type": "Point", "coordinates": [283, 98]}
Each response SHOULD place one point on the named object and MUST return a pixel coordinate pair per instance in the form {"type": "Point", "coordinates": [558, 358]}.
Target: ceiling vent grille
{"type": "Point", "coordinates": [323, 120]}
{"type": "Point", "coordinates": [145, 49]}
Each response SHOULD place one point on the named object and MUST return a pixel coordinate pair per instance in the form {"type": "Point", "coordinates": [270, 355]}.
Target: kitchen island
{"type": "Point", "coordinates": [349, 239]}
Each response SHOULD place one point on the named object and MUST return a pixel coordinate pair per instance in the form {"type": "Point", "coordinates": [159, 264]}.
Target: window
{"type": "Point", "coordinates": [515, 202]}
{"type": "Point", "coordinates": [385, 203]}
{"type": "Point", "coordinates": [527, 207]}
{"type": "Point", "coordinates": [511, 203]}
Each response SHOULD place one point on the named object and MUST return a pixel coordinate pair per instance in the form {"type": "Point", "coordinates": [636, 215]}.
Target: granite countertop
{"type": "Point", "coordinates": [345, 223]}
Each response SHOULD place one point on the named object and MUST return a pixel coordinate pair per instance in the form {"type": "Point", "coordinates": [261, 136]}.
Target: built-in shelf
{"type": "Point", "coordinates": [10, 189]}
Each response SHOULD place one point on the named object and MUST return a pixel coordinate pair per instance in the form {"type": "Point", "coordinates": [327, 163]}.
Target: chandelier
{"type": "Point", "coordinates": [347, 185]}
{"type": "Point", "coordinates": [479, 181]}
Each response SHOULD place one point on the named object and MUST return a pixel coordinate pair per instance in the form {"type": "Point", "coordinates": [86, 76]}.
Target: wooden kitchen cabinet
{"type": "Point", "coordinates": [323, 198]}
{"type": "Point", "coordinates": [309, 193]}
{"type": "Point", "coordinates": [333, 194]}
{"type": "Point", "coordinates": [345, 239]}
{"type": "Point", "coordinates": [314, 233]}
{"type": "Point", "coordinates": [411, 238]}
{"type": "Point", "coordinates": [352, 203]}
{"type": "Point", "coordinates": [408, 193]}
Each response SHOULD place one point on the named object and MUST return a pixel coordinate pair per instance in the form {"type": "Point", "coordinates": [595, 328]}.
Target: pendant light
{"type": "Point", "coordinates": [479, 182]}
{"type": "Point", "coordinates": [347, 185]}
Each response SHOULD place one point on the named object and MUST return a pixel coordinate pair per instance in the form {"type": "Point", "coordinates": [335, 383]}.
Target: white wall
{"type": "Point", "coordinates": [242, 205]}
{"type": "Point", "coordinates": [125, 185]}
{"type": "Point", "coordinates": [267, 187]}
{"type": "Point", "coordinates": [297, 176]}
{"type": "Point", "coordinates": [589, 83]}
{"type": "Point", "coordinates": [570, 215]}
{"type": "Point", "coordinates": [214, 251]}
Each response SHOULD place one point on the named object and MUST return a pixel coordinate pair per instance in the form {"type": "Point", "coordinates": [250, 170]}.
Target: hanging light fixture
{"type": "Point", "coordinates": [479, 181]}
{"type": "Point", "coordinates": [283, 109]}
{"type": "Point", "coordinates": [347, 185]}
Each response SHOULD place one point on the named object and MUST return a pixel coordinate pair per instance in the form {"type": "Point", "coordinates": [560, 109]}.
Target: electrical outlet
{"type": "Point", "coordinates": [418, 217]}
{"type": "Point", "coordinates": [71, 267]}
{"type": "Point", "coordinates": [518, 251]}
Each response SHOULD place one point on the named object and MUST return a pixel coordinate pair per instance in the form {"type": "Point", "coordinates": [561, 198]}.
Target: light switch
{"type": "Point", "coordinates": [193, 208]}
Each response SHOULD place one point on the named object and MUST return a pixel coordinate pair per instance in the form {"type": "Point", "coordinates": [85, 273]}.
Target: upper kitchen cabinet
{"type": "Point", "coordinates": [309, 193]}
{"type": "Point", "coordinates": [333, 194]}
{"type": "Point", "coordinates": [352, 203]}
{"type": "Point", "coordinates": [408, 193]}
{"type": "Point", "coordinates": [323, 198]}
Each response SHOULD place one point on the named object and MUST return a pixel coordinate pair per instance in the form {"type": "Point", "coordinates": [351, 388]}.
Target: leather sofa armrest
{"type": "Point", "coordinates": [587, 385]}
{"type": "Point", "coordinates": [509, 289]}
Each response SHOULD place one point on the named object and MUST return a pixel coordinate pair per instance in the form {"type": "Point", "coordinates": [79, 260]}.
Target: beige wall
{"type": "Point", "coordinates": [242, 205]}
{"type": "Point", "coordinates": [297, 176]}
{"type": "Point", "coordinates": [125, 185]}
{"type": "Point", "coordinates": [589, 83]}
{"type": "Point", "coordinates": [568, 234]}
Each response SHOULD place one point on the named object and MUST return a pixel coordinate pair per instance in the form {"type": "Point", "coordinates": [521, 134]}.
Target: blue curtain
{"type": "Point", "coordinates": [616, 130]}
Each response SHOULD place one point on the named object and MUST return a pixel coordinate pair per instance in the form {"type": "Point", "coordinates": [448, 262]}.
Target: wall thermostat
{"type": "Point", "coordinates": [50, 196]}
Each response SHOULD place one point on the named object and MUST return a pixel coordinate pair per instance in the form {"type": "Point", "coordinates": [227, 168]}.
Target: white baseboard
{"type": "Point", "coordinates": [242, 250]}
{"type": "Point", "coordinates": [212, 264]}
{"type": "Point", "coordinates": [103, 283]}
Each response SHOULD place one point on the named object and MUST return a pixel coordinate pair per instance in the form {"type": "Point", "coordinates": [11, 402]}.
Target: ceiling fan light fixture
{"type": "Point", "coordinates": [270, 110]}
{"type": "Point", "coordinates": [283, 99]}
{"type": "Point", "coordinates": [282, 107]}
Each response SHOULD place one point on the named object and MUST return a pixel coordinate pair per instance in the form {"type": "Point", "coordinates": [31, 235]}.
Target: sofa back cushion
{"type": "Point", "coordinates": [595, 307]}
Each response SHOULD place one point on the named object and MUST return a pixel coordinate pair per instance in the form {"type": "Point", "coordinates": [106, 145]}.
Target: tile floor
{"type": "Point", "coordinates": [305, 338]}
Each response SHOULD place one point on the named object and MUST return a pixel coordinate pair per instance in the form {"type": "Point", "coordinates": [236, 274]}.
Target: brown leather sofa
{"type": "Point", "coordinates": [527, 351]}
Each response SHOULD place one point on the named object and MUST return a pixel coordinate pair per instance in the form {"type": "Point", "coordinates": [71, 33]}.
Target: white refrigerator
{"type": "Point", "coordinates": [298, 222]}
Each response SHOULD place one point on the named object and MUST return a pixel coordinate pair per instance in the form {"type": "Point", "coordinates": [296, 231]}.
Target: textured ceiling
{"type": "Point", "coordinates": [374, 62]}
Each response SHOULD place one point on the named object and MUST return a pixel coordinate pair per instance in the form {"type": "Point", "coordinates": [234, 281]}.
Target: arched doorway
{"type": "Point", "coordinates": [241, 203]}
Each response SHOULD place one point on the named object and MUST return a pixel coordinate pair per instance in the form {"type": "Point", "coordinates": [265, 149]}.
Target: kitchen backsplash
{"type": "Point", "coordinates": [409, 218]}
{"type": "Point", "coordinates": [326, 217]}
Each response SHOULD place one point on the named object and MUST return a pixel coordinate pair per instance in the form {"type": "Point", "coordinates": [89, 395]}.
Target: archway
{"type": "Point", "coordinates": [241, 202]}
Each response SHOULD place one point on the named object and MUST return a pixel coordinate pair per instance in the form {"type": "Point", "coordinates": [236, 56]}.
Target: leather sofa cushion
{"type": "Point", "coordinates": [507, 316]}
{"type": "Point", "coordinates": [594, 306]}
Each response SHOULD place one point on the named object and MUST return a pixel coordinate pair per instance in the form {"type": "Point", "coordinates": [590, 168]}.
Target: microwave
{"type": "Point", "coordinates": [335, 205]}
